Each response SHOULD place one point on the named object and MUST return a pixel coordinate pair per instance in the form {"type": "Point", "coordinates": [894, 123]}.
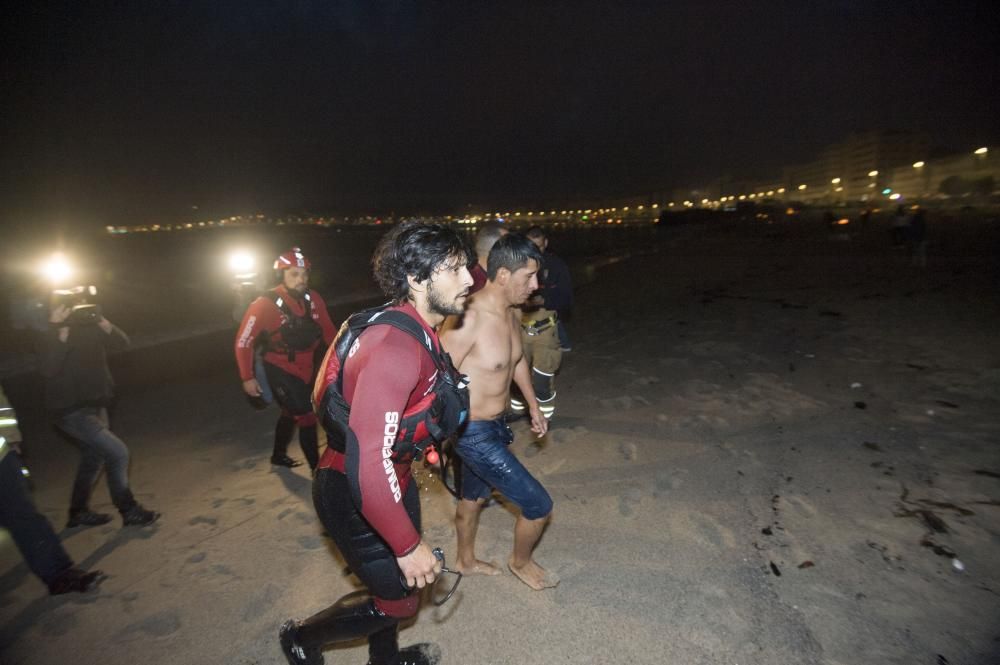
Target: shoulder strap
{"type": "Point", "coordinates": [381, 315]}
{"type": "Point", "coordinates": [286, 309]}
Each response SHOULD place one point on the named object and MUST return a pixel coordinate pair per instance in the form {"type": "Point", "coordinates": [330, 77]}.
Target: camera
{"type": "Point", "coordinates": [83, 313]}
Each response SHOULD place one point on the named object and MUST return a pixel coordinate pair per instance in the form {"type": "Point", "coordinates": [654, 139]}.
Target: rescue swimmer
{"type": "Point", "coordinates": [283, 333]}
{"type": "Point", "coordinates": [386, 392]}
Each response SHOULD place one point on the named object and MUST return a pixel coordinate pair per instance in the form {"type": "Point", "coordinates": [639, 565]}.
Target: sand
{"type": "Point", "coordinates": [772, 445]}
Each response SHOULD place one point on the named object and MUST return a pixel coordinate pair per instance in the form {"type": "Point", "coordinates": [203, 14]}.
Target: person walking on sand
{"type": "Point", "coordinates": [385, 391]}
{"type": "Point", "coordinates": [73, 360]}
{"type": "Point", "coordinates": [485, 344]}
{"type": "Point", "coordinates": [30, 531]}
{"type": "Point", "coordinates": [290, 326]}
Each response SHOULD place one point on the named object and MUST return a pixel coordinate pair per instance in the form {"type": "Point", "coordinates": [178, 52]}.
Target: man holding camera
{"type": "Point", "coordinates": [78, 390]}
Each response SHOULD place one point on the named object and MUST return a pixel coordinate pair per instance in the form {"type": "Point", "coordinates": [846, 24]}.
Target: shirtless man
{"type": "Point", "coordinates": [486, 346]}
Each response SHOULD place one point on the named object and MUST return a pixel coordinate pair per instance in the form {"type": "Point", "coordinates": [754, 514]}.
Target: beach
{"type": "Point", "coordinates": [772, 444]}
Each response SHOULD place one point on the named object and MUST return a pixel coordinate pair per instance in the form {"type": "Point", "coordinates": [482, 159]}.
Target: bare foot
{"type": "Point", "coordinates": [478, 567]}
{"type": "Point", "coordinates": [534, 575]}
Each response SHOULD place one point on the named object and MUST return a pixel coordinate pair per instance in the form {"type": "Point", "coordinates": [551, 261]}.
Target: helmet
{"type": "Point", "coordinates": [293, 258]}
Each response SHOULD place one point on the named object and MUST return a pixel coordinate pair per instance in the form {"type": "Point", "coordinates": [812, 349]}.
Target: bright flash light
{"type": "Point", "coordinates": [57, 269]}
{"type": "Point", "coordinates": [872, 174]}
{"type": "Point", "coordinates": [982, 151]}
{"type": "Point", "coordinates": [835, 181]}
{"type": "Point", "coordinates": [895, 197]}
{"type": "Point", "coordinates": [918, 165]}
{"type": "Point", "coordinates": [241, 262]}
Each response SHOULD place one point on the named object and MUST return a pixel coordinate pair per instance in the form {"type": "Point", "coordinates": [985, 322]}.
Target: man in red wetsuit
{"type": "Point", "coordinates": [288, 324]}
{"type": "Point", "coordinates": [380, 393]}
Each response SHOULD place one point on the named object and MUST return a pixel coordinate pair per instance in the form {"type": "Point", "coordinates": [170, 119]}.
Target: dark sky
{"type": "Point", "coordinates": [118, 112]}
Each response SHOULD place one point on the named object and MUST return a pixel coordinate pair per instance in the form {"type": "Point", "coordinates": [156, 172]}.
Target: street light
{"type": "Point", "coordinates": [835, 181]}
{"type": "Point", "coordinates": [981, 151]}
{"type": "Point", "coordinates": [872, 174]}
{"type": "Point", "coordinates": [918, 165]}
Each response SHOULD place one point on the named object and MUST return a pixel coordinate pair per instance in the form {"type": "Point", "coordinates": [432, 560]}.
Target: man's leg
{"type": "Point", "coordinates": [284, 430]}
{"type": "Point", "coordinates": [527, 533]}
{"type": "Point", "coordinates": [374, 612]}
{"type": "Point", "coordinates": [293, 395]}
{"type": "Point", "coordinates": [466, 526]}
{"type": "Point", "coordinates": [81, 425]}
{"type": "Point", "coordinates": [490, 460]}
{"type": "Point", "coordinates": [31, 532]}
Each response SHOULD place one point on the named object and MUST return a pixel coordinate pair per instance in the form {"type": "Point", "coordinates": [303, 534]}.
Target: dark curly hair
{"type": "Point", "coordinates": [415, 249]}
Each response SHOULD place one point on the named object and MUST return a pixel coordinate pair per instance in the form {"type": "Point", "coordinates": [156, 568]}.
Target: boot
{"type": "Point", "coordinates": [139, 516]}
{"type": "Point", "coordinates": [132, 512]}
{"type": "Point", "coordinates": [383, 649]}
{"type": "Point", "coordinates": [285, 460]}
{"type": "Point", "coordinates": [352, 617]}
{"type": "Point", "coordinates": [86, 517]}
{"type": "Point", "coordinates": [295, 652]}
{"type": "Point", "coordinates": [75, 579]}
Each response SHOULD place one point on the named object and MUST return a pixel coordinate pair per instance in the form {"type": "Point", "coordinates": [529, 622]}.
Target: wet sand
{"type": "Point", "coordinates": [771, 445]}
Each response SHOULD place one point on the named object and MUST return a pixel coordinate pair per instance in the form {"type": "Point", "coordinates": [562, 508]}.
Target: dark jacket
{"type": "Point", "coordinates": [555, 284]}
{"type": "Point", "coordinates": [76, 371]}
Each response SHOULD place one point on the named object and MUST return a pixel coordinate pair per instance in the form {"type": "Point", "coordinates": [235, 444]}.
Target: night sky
{"type": "Point", "coordinates": [135, 112]}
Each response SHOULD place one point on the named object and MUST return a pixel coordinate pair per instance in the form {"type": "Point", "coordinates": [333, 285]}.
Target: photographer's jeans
{"type": "Point", "coordinates": [98, 447]}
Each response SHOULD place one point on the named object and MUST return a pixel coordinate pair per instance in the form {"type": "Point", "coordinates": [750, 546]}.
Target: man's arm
{"type": "Point", "coordinates": [52, 347]}
{"type": "Point", "coordinates": [522, 378]}
{"type": "Point", "coordinates": [379, 380]}
{"type": "Point", "coordinates": [458, 336]}
{"type": "Point", "coordinates": [116, 339]}
{"type": "Point", "coordinates": [261, 316]}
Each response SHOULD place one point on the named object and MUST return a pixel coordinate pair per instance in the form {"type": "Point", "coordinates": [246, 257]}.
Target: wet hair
{"type": "Point", "coordinates": [513, 251]}
{"type": "Point", "coordinates": [415, 249]}
{"type": "Point", "coordinates": [488, 234]}
{"type": "Point", "coordinates": [535, 232]}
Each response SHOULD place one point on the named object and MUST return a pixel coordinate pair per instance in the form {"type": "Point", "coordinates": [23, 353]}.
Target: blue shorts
{"type": "Point", "coordinates": [488, 464]}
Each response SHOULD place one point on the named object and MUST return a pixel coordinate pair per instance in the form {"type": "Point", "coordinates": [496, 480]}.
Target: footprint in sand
{"type": "Point", "coordinates": [625, 402]}
{"type": "Point", "coordinates": [223, 570]}
{"type": "Point", "coordinates": [285, 513]}
{"type": "Point", "coordinates": [310, 542]}
{"type": "Point", "coordinates": [713, 531]}
{"type": "Point", "coordinates": [532, 449]}
{"type": "Point", "coordinates": [629, 451]}
{"type": "Point", "coordinates": [552, 468]}
{"type": "Point", "coordinates": [201, 519]}
{"type": "Point", "coordinates": [801, 505]}
{"type": "Point", "coordinates": [243, 465]}
{"type": "Point", "coordinates": [218, 503]}
{"type": "Point", "coordinates": [59, 624]}
{"type": "Point", "coordinates": [197, 557]}
{"type": "Point", "coordinates": [305, 518]}
{"type": "Point", "coordinates": [628, 500]}
{"type": "Point", "coordinates": [261, 602]}
{"type": "Point", "coordinates": [664, 482]}
{"type": "Point", "coordinates": [160, 624]}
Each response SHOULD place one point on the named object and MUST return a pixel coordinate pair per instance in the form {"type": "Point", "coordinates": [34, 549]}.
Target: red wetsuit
{"type": "Point", "coordinates": [385, 374]}
{"type": "Point", "coordinates": [263, 315]}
